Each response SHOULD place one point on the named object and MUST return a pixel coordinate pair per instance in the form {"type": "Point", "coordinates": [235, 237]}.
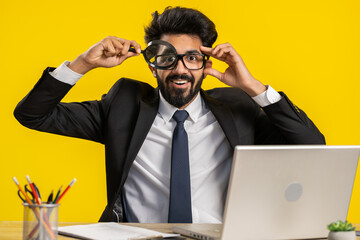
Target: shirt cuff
{"type": "Point", "coordinates": [65, 74]}
{"type": "Point", "coordinates": [268, 97]}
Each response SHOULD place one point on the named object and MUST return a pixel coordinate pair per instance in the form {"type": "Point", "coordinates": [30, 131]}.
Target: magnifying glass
{"type": "Point", "coordinates": [159, 54]}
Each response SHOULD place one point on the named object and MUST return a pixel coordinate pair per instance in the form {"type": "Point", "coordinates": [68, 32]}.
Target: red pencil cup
{"type": "Point", "coordinates": [40, 221]}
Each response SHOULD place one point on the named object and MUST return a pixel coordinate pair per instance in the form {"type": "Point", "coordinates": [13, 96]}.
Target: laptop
{"type": "Point", "coordinates": [283, 192]}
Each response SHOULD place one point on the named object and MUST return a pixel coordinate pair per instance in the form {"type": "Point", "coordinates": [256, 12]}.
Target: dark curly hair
{"type": "Point", "coordinates": [179, 20]}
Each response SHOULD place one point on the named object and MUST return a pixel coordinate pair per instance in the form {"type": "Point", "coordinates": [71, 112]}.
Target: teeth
{"type": "Point", "coordinates": [180, 82]}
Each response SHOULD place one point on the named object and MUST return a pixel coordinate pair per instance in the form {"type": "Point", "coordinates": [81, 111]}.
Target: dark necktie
{"type": "Point", "coordinates": [180, 193]}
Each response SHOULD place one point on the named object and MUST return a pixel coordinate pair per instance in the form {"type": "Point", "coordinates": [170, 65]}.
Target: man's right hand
{"type": "Point", "coordinates": [109, 52]}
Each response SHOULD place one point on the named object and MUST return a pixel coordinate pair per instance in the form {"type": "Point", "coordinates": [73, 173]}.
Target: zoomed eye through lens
{"type": "Point", "coordinates": [165, 60]}
{"type": "Point", "coordinates": [160, 54]}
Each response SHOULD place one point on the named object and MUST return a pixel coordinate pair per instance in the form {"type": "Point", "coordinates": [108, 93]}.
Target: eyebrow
{"type": "Point", "coordinates": [192, 51]}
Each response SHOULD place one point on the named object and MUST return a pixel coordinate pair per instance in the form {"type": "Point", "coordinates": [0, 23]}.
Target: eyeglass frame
{"type": "Point", "coordinates": [181, 57]}
{"type": "Point", "coordinates": [178, 56]}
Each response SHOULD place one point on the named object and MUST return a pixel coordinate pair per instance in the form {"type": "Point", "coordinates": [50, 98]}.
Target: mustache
{"type": "Point", "coordinates": [180, 76]}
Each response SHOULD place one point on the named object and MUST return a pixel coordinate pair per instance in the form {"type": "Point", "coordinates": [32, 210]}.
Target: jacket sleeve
{"type": "Point", "coordinates": [284, 123]}
{"type": "Point", "coordinates": [41, 110]}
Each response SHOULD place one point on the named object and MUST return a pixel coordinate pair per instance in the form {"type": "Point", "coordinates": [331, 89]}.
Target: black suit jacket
{"type": "Point", "coordinates": [123, 117]}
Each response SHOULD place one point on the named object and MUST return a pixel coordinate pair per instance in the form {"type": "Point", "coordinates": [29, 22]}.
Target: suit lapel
{"type": "Point", "coordinates": [225, 118]}
{"type": "Point", "coordinates": [147, 113]}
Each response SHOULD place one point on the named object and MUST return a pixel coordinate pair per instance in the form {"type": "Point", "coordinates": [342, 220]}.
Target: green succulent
{"type": "Point", "coordinates": [340, 226]}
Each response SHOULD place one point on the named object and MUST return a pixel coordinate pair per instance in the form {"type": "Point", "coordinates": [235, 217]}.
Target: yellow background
{"type": "Point", "coordinates": [309, 49]}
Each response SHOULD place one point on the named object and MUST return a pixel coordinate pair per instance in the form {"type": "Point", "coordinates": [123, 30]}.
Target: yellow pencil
{"type": "Point", "coordinates": [22, 191]}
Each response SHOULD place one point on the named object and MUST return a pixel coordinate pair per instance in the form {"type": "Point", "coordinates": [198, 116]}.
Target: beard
{"type": "Point", "coordinates": [178, 97]}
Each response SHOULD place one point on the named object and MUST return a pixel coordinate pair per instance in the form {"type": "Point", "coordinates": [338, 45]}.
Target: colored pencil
{"type": "Point", "coordinates": [67, 188]}
{"type": "Point", "coordinates": [37, 198]}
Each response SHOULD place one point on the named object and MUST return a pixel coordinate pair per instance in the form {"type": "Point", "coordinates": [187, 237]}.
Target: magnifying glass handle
{"type": "Point", "coordinates": [134, 51]}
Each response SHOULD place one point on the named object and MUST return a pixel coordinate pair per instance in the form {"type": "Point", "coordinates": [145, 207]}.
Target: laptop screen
{"type": "Point", "coordinates": [288, 192]}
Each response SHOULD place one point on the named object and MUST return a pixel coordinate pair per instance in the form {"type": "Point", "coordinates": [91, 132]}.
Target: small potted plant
{"type": "Point", "coordinates": [341, 231]}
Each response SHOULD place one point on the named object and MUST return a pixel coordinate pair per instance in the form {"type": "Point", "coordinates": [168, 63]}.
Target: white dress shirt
{"type": "Point", "coordinates": [147, 186]}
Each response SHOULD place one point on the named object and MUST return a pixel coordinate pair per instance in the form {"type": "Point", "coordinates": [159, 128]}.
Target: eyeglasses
{"type": "Point", "coordinates": [192, 61]}
{"type": "Point", "coordinates": [162, 55]}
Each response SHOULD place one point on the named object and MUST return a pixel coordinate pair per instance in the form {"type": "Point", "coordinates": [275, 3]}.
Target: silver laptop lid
{"type": "Point", "coordinates": [288, 192]}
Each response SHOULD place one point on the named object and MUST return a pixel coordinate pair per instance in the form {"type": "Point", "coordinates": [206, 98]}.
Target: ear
{"type": "Point", "coordinates": [152, 69]}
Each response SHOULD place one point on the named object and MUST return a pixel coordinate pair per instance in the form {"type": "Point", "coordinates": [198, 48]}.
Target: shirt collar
{"type": "Point", "coordinates": [195, 108]}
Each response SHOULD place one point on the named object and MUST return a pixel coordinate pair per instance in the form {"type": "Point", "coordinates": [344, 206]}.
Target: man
{"type": "Point", "coordinates": [136, 123]}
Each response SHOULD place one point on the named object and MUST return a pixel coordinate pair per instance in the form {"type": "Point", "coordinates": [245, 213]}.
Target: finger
{"type": "Point", "coordinates": [136, 46]}
{"type": "Point", "coordinates": [221, 46]}
{"type": "Point", "coordinates": [217, 48]}
{"type": "Point", "coordinates": [121, 58]}
{"type": "Point", "coordinates": [118, 44]}
{"type": "Point", "coordinates": [130, 54]}
{"type": "Point", "coordinates": [227, 49]}
{"type": "Point", "coordinates": [125, 49]}
{"type": "Point", "coordinates": [206, 50]}
{"type": "Point", "coordinates": [109, 49]}
{"type": "Point", "coordinates": [225, 54]}
{"type": "Point", "coordinates": [213, 72]}
{"type": "Point", "coordinates": [216, 52]}
{"type": "Point", "coordinates": [219, 53]}
{"type": "Point", "coordinates": [124, 45]}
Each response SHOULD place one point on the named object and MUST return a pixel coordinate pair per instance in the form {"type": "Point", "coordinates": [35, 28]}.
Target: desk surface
{"type": "Point", "coordinates": [12, 230]}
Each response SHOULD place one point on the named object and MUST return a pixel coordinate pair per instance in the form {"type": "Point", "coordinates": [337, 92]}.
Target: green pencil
{"type": "Point", "coordinates": [57, 195]}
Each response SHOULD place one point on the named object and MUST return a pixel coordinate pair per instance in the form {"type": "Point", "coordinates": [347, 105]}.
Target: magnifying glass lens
{"type": "Point", "coordinates": [160, 54]}
{"type": "Point", "coordinates": [150, 53]}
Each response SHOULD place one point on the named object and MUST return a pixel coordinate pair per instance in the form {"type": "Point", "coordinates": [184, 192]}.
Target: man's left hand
{"type": "Point", "coordinates": [236, 75]}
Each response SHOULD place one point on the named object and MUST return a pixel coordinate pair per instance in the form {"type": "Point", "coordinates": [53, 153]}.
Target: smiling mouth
{"type": "Point", "coordinates": [179, 82]}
